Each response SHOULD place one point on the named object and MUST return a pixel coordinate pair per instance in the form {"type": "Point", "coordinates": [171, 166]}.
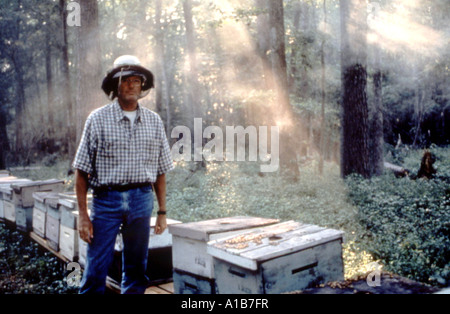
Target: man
{"type": "Point", "coordinates": [123, 154]}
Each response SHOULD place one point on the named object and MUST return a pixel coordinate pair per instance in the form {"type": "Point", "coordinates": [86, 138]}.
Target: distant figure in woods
{"type": "Point", "coordinates": [426, 166]}
{"type": "Point", "coordinates": [123, 154]}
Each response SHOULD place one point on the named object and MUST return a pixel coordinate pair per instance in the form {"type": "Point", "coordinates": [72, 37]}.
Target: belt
{"type": "Point", "coordinates": [121, 188]}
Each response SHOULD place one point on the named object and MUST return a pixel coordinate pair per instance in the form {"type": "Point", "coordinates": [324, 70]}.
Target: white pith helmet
{"type": "Point", "coordinates": [126, 65]}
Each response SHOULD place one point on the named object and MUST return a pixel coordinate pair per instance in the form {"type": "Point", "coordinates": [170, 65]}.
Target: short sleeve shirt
{"type": "Point", "coordinates": [115, 152]}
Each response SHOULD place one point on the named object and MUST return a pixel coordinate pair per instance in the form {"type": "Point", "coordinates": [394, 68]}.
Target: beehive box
{"type": "Point", "coordinates": [188, 283]}
{"type": "Point", "coordinates": [159, 263]}
{"type": "Point", "coordinates": [275, 259]}
{"type": "Point", "coordinates": [4, 174]}
{"type": "Point", "coordinates": [190, 240]}
{"type": "Point", "coordinates": [23, 192]}
{"type": "Point", "coordinates": [41, 205]}
{"type": "Point", "coordinates": [52, 222]}
{"type": "Point", "coordinates": [193, 266]}
{"type": "Point", "coordinates": [24, 218]}
{"type": "Point", "coordinates": [6, 196]}
{"type": "Point", "coordinates": [82, 251]}
{"type": "Point", "coordinates": [68, 235]}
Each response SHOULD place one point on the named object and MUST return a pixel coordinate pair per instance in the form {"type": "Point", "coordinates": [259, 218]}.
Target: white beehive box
{"type": "Point", "coordinates": [82, 251]}
{"type": "Point", "coordinates": [189, 241]}
{"type": "Point", "coordinates": [40, 211]}
{"type": "Point", "coordinates": [6, 195]}
{"type": "Point", "coordinates": [23, 192]}
{"type": "Point", "coordinates": [52, 222]}
{"type": "Point", "coordinates": [279, 258]}
{"type": "Point", "coordinates": [68, 206]}
{"type": "Point", "coordinates": [68, 242]}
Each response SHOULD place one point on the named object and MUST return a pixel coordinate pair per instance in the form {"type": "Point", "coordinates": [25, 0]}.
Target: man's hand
{"type": "Point", "coordinates": [85, 228]}
{"type": "Point", "coordinates": [161, 224]}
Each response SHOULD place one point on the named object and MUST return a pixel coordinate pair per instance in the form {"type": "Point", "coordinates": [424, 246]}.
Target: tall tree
{"type": "Point", "coordinates": [193, 92]}
{"type": "Point", "coordinates": [88, 56]}
{"type": "Point", "coordinates": [283, 109]}
{"type": "Point", "coordinates": [354, 106]}
{"type": "Point", "coordinates": [376, 140]}
{"type": "Point", "coordinates": [66, 84]}
{"type": "Point", "coordinates": [323, 92]}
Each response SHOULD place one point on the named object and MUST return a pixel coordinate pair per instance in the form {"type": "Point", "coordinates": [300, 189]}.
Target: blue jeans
{"type": "Point", "coordinates": [112, 211]}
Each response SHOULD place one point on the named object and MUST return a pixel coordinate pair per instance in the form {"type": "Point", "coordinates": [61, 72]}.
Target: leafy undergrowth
{"type": "Point", "coordinates": [408, 221]}
{"type": "Point", "coordinates": [26, 269]}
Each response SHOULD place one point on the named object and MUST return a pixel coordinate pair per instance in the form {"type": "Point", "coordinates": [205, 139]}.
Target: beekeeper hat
{"type": "Point", "coordinates": [126, 65]}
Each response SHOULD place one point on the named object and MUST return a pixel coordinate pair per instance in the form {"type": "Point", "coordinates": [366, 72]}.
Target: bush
{"type": "Point", "coordinates": [408, 221]}
{"type": "Point", "coordinates": [25, 269]}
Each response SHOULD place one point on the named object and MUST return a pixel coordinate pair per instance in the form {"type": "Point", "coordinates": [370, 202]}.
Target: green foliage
{"type": "Point", "coordinates": [238, 189]}
{"type": "Point", "coordinates": [25, 269]}
{"type": "Point", "coordinates": [408, 221]}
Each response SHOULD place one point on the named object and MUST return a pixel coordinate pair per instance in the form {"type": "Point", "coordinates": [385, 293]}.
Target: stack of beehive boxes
{"type": "Point", "coordinates": [18, 201]}
{"type": "Point", "coordinates": [55, 219]}
{"type": "Point", "coordinates": [193, 267]}
{"type": "Point", "coordinates": [276, 259]}
{"type": "Point", "coordinates": [253, 255]}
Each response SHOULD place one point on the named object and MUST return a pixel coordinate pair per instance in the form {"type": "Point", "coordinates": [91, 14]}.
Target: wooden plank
{"type": "Point", "coordinates": [168, 287]}
{"type": "Point", "coordinates": [156, 290]}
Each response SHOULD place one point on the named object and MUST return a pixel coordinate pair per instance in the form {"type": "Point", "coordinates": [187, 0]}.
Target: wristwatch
{"type": "Point", "coordinates": [161, 212]}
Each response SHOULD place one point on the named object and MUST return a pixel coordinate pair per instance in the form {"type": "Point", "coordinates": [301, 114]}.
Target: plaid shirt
{"type": "Point", "coordinates": [115, 153]}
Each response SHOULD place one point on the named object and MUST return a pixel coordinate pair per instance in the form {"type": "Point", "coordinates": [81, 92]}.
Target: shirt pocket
{"type": "Point", "coordinates": [150, 150]}
{"type": "Point", "coordinates": [111, 151]}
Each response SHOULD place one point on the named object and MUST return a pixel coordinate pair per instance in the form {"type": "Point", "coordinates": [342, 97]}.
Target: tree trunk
{"type": "Point", "coordinates": [70, 137]}
{"type": "Point", "coordinates": [4, 144]}
{"type": "Point", "coordinates": [376, 119]}
{"type": "Point", "coordinates": [50, 94]}
{"type": "Point", "coordinates": [282, 109]}
{"type": "Point", "coordinates": [192, 76]}
{"type": "Point", "coordinates": [89, 76]}
{"type": "Point", "coordinates": [323, 94]}
{"type": "Point", "coordinates": [162, 88]}
{"type": "Point", "coordinates": [354, 112]}
{"type": "Point", "coordinates": [263, 41]}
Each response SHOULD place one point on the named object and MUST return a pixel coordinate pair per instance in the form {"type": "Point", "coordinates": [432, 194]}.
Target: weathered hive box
{"type": "Point", "coordinates": [6, 196]}
{"type": "Point", "coordinates": [275, 259]}
{"type": "Point", "coordinates": [193, 266]}
{"type": "Point", "coordinates": [82, 251]}
{"type": "Point", "coordinates": [52, 222]}
{"type": "Point", "coordinates": [4, 174]}
{"type": "Point", "coordinates": [68, 235]}
{"type": "Point", "coordinates": [23, 192]}
{"type": "Point", "coordinates": [41, 205]}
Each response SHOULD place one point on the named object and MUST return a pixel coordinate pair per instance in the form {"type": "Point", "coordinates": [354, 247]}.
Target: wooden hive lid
{"type": "Point", "coordinates": [42, 197]}
{"type": "Point", "coordinates": [202, 230]}
{"type": "Point", "coordinates": [250, 248]}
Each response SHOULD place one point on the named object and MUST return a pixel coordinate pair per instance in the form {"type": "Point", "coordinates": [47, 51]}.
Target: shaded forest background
{"type": "Point", "coordinates": [225, 61]}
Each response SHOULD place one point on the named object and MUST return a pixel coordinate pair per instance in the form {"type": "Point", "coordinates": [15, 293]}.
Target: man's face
{"type": "Point", "coordinates": [130, 88]}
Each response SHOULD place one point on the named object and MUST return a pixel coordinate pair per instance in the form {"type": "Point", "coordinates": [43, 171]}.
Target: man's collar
{"type": "Point", "coordinates": [118, 112]}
